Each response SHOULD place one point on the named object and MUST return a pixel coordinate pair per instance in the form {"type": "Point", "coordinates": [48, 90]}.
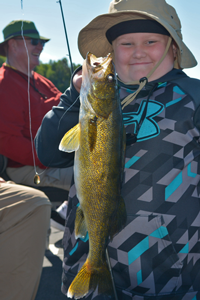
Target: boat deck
{"type": "Point", "coordinates": [50, 283]}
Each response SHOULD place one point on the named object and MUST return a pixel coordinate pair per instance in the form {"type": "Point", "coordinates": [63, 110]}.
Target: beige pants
{"type": "Point", "coordinates": [56, 177]}
{"type": "Point", "coordinates": [24, 221]}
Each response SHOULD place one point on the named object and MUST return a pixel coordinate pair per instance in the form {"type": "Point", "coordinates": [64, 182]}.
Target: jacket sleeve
{"type": "Point", "coordinates": [54, 126]}
{"type": "Point", "coordinates": [191, 86]}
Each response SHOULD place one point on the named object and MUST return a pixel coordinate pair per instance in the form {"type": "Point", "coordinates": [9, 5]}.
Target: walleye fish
{"type": "Point", "coordinates": [99, 144]}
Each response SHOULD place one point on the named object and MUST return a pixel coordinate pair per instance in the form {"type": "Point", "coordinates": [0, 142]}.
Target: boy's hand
{"type": "Point", "coordinates": [77, 80]}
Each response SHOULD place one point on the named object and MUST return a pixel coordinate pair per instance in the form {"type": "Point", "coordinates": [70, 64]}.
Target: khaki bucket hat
{"type": "Point", "coordinates": [15, 28]}
{"type": "Point", "coordinates": [92, 38]}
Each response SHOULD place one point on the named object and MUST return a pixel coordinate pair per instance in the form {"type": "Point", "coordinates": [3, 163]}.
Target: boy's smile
{"type": "Point", "coordinates": [136, 54]}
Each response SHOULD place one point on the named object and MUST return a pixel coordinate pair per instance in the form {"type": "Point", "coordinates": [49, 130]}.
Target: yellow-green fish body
{"type": "Point", "coordinates": [99, 142]}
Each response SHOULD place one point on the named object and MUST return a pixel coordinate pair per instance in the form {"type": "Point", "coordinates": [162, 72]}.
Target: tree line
{"type": "Point", "coordinates": [59, 72]}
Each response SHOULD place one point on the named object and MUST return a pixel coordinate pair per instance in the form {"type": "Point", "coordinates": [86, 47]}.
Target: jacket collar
{"type": "Point", "coordinates": [170, 76]}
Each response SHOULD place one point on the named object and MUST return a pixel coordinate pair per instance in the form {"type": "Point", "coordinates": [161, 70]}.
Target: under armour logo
{"type": "Point", "coordinates": [149, 128]}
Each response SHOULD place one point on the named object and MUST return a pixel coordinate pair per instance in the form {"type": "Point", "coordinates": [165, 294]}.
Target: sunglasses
{"type": "Point", "coordinates": [34, 42]}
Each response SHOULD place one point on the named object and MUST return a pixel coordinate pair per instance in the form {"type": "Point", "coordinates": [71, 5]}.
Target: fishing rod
{"type": "Point", "coordinates": [69, 53]}
{"type": "Point", "coordinates": [111, 274]}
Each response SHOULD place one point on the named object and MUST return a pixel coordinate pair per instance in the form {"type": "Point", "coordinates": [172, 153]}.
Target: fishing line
{"type": "Point", "coordinates": [111, 274]}
{"type": "Point", "coordinates": [28, 91]}
{"type": "Point", "coordinates": [68, 110]}
{"type": "Point", "coordinates": [36, 177]}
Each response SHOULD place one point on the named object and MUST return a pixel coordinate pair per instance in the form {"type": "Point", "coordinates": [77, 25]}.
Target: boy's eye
{"type": "Point", "coordinates": [126, 44]}
{"type": "Point", "coordinates": [151, 42]}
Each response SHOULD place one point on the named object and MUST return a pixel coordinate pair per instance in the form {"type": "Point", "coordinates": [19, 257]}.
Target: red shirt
{"type": "Point", "coordinates": [15, 138]}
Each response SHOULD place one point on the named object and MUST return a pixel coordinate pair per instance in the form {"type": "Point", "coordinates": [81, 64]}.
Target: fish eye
{"type": "Point", "coordinates": [110, 77]}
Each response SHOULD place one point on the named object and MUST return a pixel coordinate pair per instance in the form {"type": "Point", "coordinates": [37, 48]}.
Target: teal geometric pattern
{"type": "Point", "coordinates": [160, 232]}
{"type": "Point", "coordinates": [143, 246]}
{"type": "Point", "coordinates": [173, 102]}
{"type": "Point", "coordinates": [131, 161]}
{"type": "Point", "coordinates": [76, 246]}
{"type": "Point", "coordinates": [139, 277]}
{"type": "Point", "coordinates": [185, 249]}
{"type": "Point", "coordinates": [74, 249]}
{"type": "Point", "coordinates": [177, 90]}
{"type": "Point", "coordinates": [138, 250]}
{"type": "Point", "coordinates": [190, 173]}
{"type": "Point", "coordinates": [172, 187]}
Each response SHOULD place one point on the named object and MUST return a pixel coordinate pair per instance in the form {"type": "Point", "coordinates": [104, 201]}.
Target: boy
{"type": "Point", "coordinates": [156, 255]}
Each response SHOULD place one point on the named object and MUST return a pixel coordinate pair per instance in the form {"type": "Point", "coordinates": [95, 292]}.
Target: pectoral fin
{"type": "Point", "coordinates": [70, 141]}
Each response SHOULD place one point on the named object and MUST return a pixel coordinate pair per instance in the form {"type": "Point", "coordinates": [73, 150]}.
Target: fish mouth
{"type": "Point", "coordinates": [100, 83]}
{"type": "Point", "coordinates": [97, 63]}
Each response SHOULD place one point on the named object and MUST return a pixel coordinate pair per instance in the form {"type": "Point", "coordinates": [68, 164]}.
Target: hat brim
{"type": "Point", "coordinates": [92, 38]}
{"type": "Point", "coordinates": [33, 36]}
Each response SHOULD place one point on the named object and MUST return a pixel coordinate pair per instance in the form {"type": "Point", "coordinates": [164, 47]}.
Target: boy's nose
{"type": "Point", "coordinates": [139, 52]}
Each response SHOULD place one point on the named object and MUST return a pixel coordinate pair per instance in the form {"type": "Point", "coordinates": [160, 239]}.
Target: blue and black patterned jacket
{"type": "Point", "coordinates": [157, 254]}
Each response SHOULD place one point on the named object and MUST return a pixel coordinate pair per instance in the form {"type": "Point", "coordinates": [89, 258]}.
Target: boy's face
{"type": "Point", "coordinates": [136, 54]}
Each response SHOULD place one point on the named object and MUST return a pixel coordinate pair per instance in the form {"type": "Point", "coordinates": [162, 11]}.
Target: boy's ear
{"type": "Point", "coordinates": [174, 47]}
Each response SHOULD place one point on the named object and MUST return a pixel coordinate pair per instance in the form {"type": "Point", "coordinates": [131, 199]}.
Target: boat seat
{"type": "Point", "coordinates": [55, 195]}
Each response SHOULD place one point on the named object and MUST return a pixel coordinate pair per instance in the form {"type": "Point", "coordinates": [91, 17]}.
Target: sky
{"type": "Point", "coordinates": [46, 14]}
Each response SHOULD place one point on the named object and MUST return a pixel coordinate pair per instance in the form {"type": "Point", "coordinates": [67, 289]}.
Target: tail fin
{"type": "Point", "coordinates": [88, 279]}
